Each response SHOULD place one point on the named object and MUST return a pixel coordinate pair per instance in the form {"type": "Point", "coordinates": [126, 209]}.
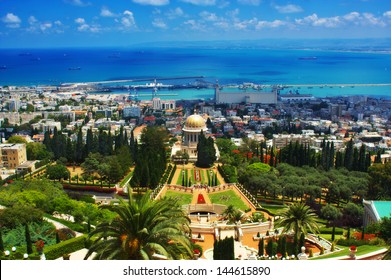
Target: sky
{"type": "Point", "coordinates": [86, 23]}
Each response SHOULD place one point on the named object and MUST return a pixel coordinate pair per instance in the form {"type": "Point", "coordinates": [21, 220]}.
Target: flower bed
{"type": "Point", "coordinates": [200, 199]}
{"type": "Point", "coordinates": [197, 176]}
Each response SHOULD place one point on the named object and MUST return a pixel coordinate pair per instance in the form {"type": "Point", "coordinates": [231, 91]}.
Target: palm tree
{"type": "Point", "coordinates": [143, 229]}
{"type": "Point", "coordinates": [299, 218]}
{"type": "Point", "coordinates": [233, 215]}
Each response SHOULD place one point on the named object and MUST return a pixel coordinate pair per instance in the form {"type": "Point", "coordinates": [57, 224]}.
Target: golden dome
{"type": "Point", "coordinates": [195, 121]}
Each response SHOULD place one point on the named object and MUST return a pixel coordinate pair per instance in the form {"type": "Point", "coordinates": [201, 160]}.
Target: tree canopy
{"type": "Point", "coordinates": [142, 229]}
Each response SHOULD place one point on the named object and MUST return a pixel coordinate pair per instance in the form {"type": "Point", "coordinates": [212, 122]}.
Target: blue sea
{"type": "Point", "coordinates": [227, 65]}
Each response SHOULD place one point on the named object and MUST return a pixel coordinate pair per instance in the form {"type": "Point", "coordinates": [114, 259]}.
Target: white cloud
{"type": "Point", "coordinates": [352, 17]}
{"type": "Point", "coordinates": [288, 9]}
{"type": "Point", "coordinates": [152, 2]}
{"type": "Point", "coordinates": [105, 12]}
{"type": "Point", "coordinates": [175, 13]}
{"type": "Point", "coordinates": [270, 24]}
{"type": "Point", "coordinates": [314, 20]}
{"type": "Point", "coordinates": [370, 19]}
{"type": "Point", "coordinates": [58, 23]}
{"type": "Point", "coordinates": [245, 24]}
{"type": "Point", "coordinates": [11, 20]}
{"type": "Point", "coordinates": [233, 13]}
{"type": "Point", "coordinates": [159, 23]}
{"type": "Point", "coordinates": [80, 20]}
{"type": "Point", "coordinates": [32, 20]}
{"type": "Point", "coordinates": [201, 2]}
{"type": "Point", "coordinates": [84, 27]}
{"type": "Point", "coordinates": [195, 25]}
{"type": "Point", "coordinates": [45, 26]}
{"type": "Point", "coordinates": [208, 16]}
{"type": "Point", "coordinates": [128, 20]}
{"type": "Point", "coordinates": [78, 3]}
{"type": "Point", "coordinates": [387, 14]}
{"type": "Point", "coordinates": [250, 2]}
{"type": "Point", "coordinates": [221, 24]}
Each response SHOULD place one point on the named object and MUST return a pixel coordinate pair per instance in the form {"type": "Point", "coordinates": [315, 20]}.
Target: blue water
{"type": "Point", "coordinates": [262, 66]}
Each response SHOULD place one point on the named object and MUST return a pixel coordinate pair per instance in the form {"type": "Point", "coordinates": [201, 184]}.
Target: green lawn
{"type": "Point", "coordinates": [183, 198]}
{"type": "Point", "coordinates": [273, 209]}
{"type": "Point", "coordinates": [361, 250]}
{"type": "Point", "coordinates": [179, 181]}
{"type": "Point", "coordinates": [228, 198]}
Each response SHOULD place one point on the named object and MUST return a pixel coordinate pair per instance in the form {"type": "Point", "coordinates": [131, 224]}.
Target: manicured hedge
{"type": "Point", "coordinates": [65, 247]}
{"type": "Point", "coordinates": [171, 175]}
{"type": "Point", "coordinates": [89, 188]}
{"type": "Point", "coordinates": [351, 242]}
{"type": "Point", "coordinates": [260, 209]}
{"type": "Point", "coordinates": [328, 230]}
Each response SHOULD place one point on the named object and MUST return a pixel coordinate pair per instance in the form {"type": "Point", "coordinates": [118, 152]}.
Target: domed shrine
{"type": "Point", "coordinates": [191, 131]}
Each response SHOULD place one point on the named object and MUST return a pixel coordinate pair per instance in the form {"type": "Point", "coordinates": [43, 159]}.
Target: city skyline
{"type": "Point", "coordinates": [84, 23]}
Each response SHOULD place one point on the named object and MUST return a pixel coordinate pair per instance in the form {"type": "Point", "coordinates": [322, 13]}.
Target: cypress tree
{"type": "Point", "coordinates": [261, 247]}
{"type": "Point", "coordinates": [331, 157]}
{"type": "Point", "coordinates": [378, 156]}
{"type": "Point", "coordinates": [1, 240]}
{"type": "Point", "coordinates": [355, 165]}
{"type": "Point", "coordinates": [348, 160]}
{"type": "Point", "coordinates": [29, 244]}
{"type": "Point", "coordinates": [362, 159]}
{"type": "Point", "coordinates": [79, 147]}
{"type": "Point", "coordinates": [57, 238]}
{"type": "Point", "coordinates": [271, 161]}
{"type": "Point", "coordinates": [89, 141]}
{"type": "Point", "coordinates": [279, 245]}
{"type": "Point", "coordinates": [367, 161]}
{"type": "Point", "coordinates": [283, 246]}
{"type": "Point", "coordinates": [270, 249]}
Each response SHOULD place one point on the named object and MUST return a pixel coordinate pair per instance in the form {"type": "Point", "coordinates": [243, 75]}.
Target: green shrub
{"type": "Point", "coordinates": [350, 242]}
{"type": "Point", "coordinates": [329, 230]}
{"type": "Point", "coordinates": [66, 247]}
{"type": "Point", "coordinates": [377, 242]}
{"type": "Point", "coordinates": [198, 247]}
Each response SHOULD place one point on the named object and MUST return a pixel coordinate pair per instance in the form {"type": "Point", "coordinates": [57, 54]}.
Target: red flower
{"type": "Point", "coordinates": [196, 251]}
{"type": "Point", "coordinates": [201, 199]}
{"type": "Point", "coordinates": [39, 245]}
{"type": "Point", "coordinates": [353, 248]}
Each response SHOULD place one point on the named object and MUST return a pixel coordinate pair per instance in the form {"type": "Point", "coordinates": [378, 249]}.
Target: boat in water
{"type": "Point", "coordinates": [308, 58]}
